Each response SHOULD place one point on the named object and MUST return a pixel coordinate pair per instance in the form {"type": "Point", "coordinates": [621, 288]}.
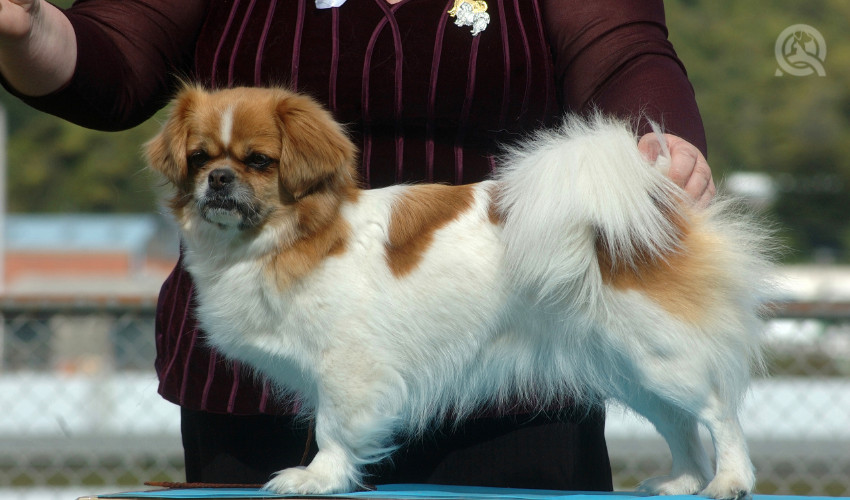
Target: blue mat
{"type": "Point", "coordinates": [415, 492]}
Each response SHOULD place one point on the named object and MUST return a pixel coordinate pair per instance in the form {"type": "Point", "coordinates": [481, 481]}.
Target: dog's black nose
{"type": "Point", "coordinates": [220, 178]}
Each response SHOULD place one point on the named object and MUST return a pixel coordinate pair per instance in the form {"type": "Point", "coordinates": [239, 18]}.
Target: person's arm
{"type": "Point", "coordinates": [38, 50]}
{"type": "Point", "coordinates": [613, 55]}
{"type": "Point", "coordinates": [128, 55]}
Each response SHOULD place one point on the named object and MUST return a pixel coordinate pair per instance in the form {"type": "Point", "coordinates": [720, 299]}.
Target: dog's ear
{"type": "Point", "coordinates": [166, 152]}
{"type": "Point", "coordinates": [315, 149]}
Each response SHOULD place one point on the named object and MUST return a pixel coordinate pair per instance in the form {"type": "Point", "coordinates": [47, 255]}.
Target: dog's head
{"type": "Point", "coordinates": [241, 158]}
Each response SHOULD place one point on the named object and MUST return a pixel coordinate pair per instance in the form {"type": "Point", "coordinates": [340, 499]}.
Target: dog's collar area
{"type": "Point", "coordinates": [289, 197]}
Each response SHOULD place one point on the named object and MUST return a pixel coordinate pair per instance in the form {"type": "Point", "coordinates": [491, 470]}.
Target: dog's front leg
{"type": "Point", "coordinates": [356, 416]}
{"type": "Point", "coordinates": [331, 471]}
{"type": "Point", "coordinates": [334, 469]}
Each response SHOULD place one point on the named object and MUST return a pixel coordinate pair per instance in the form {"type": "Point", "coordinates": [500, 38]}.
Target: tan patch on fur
{"type": "Point", "coordinates": [495, 216]}
{"type": "Point", "coordinates": [306, 254]}
{"type": "Point", "coordinates": [416, 215]}
{"type": "Point", "coordinates": [320, 233]}
{"type": "Point", "coordinates": [683, 282]}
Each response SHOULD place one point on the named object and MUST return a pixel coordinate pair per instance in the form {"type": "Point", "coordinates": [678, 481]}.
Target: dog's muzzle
{"type": "Point", "coordinates": [227, 202]}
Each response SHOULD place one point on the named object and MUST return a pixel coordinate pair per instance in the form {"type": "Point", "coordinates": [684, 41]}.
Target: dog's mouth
{"type": "Point", "coordinates": [222, 203]}
{"type": "Point", "coordinates": [229, 211]}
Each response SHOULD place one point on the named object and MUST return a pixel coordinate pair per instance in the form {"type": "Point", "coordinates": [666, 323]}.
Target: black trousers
{"type": "Point", "coordinates": [517, 451]}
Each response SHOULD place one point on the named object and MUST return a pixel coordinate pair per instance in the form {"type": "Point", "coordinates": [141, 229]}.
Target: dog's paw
{"type": "Point", "coordinates": [730, 486]}
{"type": "Point", "coordinates": [682, 484]}
{"type": "Point", "coordinates": [304, 481]}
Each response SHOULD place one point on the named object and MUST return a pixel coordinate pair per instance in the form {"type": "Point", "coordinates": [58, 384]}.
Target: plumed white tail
{"type": "Point", "coordinates": [580, 185]}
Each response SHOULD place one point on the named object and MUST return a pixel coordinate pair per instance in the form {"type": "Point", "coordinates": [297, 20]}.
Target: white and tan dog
{"type": "Point", "coordinates": [578, 271]}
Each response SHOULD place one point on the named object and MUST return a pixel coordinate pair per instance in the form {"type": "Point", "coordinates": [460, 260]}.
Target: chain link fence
{"type": "Point", "coordinates": [80, 409]}
{"type": "Point", "coordinates": [79, 400]}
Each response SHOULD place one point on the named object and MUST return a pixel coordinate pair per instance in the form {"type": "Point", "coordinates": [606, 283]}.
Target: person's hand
{"type": "Point", "coordinates": [17, 19]}
{"type": "Point", "coordinates": [688, 167]}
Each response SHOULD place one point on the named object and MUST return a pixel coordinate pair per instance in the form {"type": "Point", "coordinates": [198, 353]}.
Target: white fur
{"type": "Point", "coordinates": [498, 314]}
{"type": "Point", "coordinates": [226, 126]}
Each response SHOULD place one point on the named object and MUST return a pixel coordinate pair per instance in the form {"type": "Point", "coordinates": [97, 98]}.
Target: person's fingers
{"type": "Point", "coordinates": [688, 167]}
{"type": "Point", "coordinates": [699, 181]}
{"type": "Point", "coordinates": [649, 146]}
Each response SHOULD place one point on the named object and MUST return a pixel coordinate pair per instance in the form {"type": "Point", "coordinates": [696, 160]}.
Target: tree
{"type": "Point", "coordinates": [55, 166]}
{"type": "Point", "coordinates": [796, 129]}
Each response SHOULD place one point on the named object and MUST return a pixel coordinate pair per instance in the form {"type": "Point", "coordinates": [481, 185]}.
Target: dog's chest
{"type": "Point", "coordinates": [242, 312]}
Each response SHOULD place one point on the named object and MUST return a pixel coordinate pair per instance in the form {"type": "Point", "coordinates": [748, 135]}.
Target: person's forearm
{"type": "Point", "coordinates": [39, 58]}
{"type": "Point", "coordinates": [655, 87]}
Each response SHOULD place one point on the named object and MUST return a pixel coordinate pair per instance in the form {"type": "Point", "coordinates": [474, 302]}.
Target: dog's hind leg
{"type": "Point", "coordinates": [691, 468]}
{"type": "Point", "coordinates": [734, 477]}
{"type": "Point", "coordinates": [677, 377]}
{"type": "Point", "coordinates": [677, 390]}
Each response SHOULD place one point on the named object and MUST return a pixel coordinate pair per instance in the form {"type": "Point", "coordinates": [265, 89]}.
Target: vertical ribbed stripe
{"type": "Point", "coordinates": [389, 19]}
{"type": "Point", "coordinates": [234, 389]}
{"type": "Point", "coordinates": [389, 12]}
{"type": "Point", "coordinates": [364, 97]}
{"type": "Point", "coordinates": [178, 277]}
{"type": "Point", "coordinates": [261, 45]}
{"type": "Point", "coordinates": [187, 363]}
{"type": "Point", "coordinates": [205, 395]}
{"type": "Point", "coordinates": [231, 17]}
{"type": "Point", "coordinates": [264, 399]}
{"type": "Point", "coordinates": [548, 68]}
{"type": "Point", "coordinates": [491, 162]}
{"type": "Point", "coordinates": [334, 69]}
{"type": "Point", "coordinates": [180, 333]}
{"type": "Point", "coordinates": [399, 105]}
{"type": "Point", "coordinates": [237, 42]}
{"type": "Point", "coordinates": [528, 69]}
{"type": "Point", "coordinates": [506, 57]}
{"type": "Point", "coordinates": [235, 51]}
{"type": "Point", "coordinates": [506, 82]}
{"type": "Point", "coordinates": [296, 45]}
{"type": "Point", "coordinates": [467, 105]}
{"type": "Point", "coordinates": [431, 118]}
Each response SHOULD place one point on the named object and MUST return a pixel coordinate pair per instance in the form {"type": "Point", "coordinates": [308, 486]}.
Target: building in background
{"type": "Point", "coordinates": [79, 290]}
{"type": "Point", "coordinates": [87, 255]}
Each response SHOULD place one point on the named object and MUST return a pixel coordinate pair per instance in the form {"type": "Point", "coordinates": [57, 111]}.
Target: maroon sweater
{"type": "Point", "coordinates": [422, 98]}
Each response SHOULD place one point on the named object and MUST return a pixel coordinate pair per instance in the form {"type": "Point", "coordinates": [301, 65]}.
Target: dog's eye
{"type": "Point", "coordinates": [198, 159]}
{"type": "Point", "coordinates": [258, 161]}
